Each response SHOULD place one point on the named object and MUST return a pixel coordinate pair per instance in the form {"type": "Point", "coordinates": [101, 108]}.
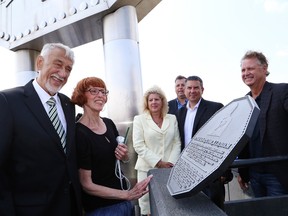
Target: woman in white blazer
{"type": "Point", "coordinates": [156, 138]}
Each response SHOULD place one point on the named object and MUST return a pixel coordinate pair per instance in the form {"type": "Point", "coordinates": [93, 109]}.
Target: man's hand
{"type": "Point", "coordinates": [243, 185]}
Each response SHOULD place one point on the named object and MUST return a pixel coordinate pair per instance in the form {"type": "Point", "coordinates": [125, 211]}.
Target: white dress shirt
{"type": "Point", "coordinates": [189, 122]}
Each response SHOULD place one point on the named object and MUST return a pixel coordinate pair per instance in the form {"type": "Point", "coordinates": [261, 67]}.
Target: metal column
{"type": "Point", "coordinates": [25, 66]}
{"type": "Point", "coordinates": [123, 71]}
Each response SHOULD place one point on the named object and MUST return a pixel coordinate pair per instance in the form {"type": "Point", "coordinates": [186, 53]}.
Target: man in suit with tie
{"type": "Point", "coordinates": [190, 119]}
{"type": "Point", "coordinates": [270, 135]}
{"type": "Point", "coordinates": [38, 170]}
{"type": "Point", "coordinates": [181, 100]}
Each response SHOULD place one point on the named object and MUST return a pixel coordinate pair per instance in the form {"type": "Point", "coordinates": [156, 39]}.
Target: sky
{"type": "Point", "coordinates": [206, 38]}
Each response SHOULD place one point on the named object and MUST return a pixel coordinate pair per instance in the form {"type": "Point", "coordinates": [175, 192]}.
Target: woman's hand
{"type": "Point", "coordinates": [93, 189]}
{"type": "Point", "coordinates": [140, 189]}
{"type": "Point", "coordinates": [121, 152]}
{"type": "Point", "coordinates": [163, 164]}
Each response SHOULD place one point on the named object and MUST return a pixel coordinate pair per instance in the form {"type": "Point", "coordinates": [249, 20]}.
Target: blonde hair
{"type": "Point", "coordinates": [262, 60]}
{"type": "Point", "coordinates": [155, 90]}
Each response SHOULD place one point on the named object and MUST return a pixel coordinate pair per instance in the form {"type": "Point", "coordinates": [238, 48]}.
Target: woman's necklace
{"type": "Point", "coordinates": [97, 126]}
{"type": "Point", "coordinates": [159, 122]}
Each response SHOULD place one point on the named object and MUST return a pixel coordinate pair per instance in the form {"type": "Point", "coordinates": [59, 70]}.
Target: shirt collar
{"type": "Point", "coordinates": [179, 105]}
{"type": "Point", "coordinates": [195, 107]}
{"type": "Point", "coordinates": [43, 95]}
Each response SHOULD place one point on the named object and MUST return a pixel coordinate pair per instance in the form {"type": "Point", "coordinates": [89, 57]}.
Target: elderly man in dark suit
{"type": "Point", "coordinates": [38, 171]}
{"type": "Point", "coordinates": [190, 119]}
{"type": "Point", "coordinates": [270, 135]}
{"type": "Point", "coordinates": [181, 100]}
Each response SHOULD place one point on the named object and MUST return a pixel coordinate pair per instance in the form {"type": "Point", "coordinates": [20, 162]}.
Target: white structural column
{"type": "Point", "coordinates": [123, 74]}
{"type": "Point", "coordinates": [122, 62]}
{"type": "Point", "coordinates": [25, 66]}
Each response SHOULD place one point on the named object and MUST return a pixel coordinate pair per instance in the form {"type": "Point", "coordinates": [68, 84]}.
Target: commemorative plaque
{"type": "Point", "coordinates": [213, 148]}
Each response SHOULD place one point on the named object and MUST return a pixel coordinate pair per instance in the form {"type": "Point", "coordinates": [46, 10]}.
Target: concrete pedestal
{"type": "Point", "coordinates": [163, 204]}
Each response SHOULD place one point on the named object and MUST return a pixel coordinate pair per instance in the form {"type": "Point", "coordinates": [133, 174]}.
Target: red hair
{"type": "Point", "coordinates": [78, 96]}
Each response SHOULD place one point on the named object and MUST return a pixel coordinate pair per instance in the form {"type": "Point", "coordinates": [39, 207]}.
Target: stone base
{"type": "Point", "coordinates": [163, 204]}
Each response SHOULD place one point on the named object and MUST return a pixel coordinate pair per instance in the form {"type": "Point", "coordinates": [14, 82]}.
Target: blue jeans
{"type": "Point", "coordinates": [266, 184]}
{"type": "Point", "coordinates": [120, 209]}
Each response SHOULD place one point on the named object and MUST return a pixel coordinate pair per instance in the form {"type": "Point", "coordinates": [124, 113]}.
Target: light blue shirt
{"type": "Point", "coordinates": [179, 105]}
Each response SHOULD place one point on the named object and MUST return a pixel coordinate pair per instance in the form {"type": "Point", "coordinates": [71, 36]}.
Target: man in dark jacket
{"type": "Point", "coordinates": [270, 135]}
{"type": "Point", "coordinates": [38, 167]}
{"type": "Point", "coordinates": [181, 100]}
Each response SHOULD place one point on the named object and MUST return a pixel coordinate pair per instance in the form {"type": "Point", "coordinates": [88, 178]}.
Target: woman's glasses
{"type": "Point", "coordinates": [95, 91]}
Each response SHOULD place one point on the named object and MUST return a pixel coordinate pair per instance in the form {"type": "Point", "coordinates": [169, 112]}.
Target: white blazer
{"type": "Point", "coordinates": [152, 143]}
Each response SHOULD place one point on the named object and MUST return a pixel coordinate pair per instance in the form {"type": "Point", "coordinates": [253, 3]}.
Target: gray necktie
{"type": "Point", "coordinates": [53, 115]}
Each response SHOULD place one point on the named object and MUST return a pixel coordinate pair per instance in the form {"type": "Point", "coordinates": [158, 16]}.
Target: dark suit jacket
{"type": "Point", "coordinates": [205, 111]}
{"type": "Point", "coordinates": [273, 122]}
{"type": "Point", "coordinates": [173, 106]}
{"type": "Point", "coordinates": [36, 176]}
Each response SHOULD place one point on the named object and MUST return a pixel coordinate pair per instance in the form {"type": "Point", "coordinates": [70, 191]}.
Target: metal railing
{"type": "Point", "coordinates": [256, 161]}
{"type": "Point", "coordinates": [250, 205]}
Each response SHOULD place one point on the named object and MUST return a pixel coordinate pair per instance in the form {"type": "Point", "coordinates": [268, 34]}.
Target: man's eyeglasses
{"type": "Point", "coordinates": [96, 91]}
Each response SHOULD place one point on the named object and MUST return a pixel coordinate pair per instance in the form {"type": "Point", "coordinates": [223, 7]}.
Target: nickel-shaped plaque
{"type": "Point", "coordinates": [214, 147]}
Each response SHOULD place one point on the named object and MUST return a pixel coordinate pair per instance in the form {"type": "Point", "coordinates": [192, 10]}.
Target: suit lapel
{"type": "Point", "coordinates": [165, 124]}
{"type": "Point", "coordinates": [33, 102]}
{"type": "Point", "coordinates": [182, 116]}
{"type": "Point", "coordinates": [152, 124]}
{"type": "Point", "coordinates": [181, 121]}
{"type": "Point", "coordinates": [175, 106]}
{"type": "Point", "coordinates": [266, 97]}
{"type": "Point", "coordinates": [200, 111]}
{"type": "Point", "coordinates": [70, 121]}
